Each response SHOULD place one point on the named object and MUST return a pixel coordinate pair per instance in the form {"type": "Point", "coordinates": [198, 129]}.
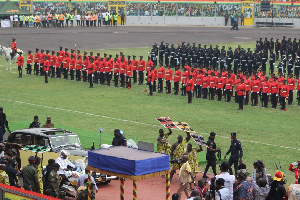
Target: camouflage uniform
{"type": "Point", "coordinates": [82, 193]}
{"type": "Point", "coordinates": [4, 177]}
{"type": "Point", "coordinates": [29, 172]}
{"type": "Point", "coordinates": [48, 125]}
{"type": "Point", "coordinates": [53, 177]}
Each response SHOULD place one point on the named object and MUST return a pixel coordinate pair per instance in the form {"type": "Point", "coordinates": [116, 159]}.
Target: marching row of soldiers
{"type": "Point", "coordinates": [204, 84]}
{"type": "Point", "coordinates": [286, 51]}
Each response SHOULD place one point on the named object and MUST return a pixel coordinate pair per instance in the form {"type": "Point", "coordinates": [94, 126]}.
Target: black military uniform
{"type": "Point", "coordinates": [3, 124]}
{"type": "Point", "coordinates": [264, 60]}
{"type": "Point", "coordinates": [153, 55]}
{"type": "Point", "coordinates": [211, 154]}
{"type": "Point", "coordinates": [290, 66]}
{"type": "Point", "coordinates": [271, 46]}
{"type": "Point", "coordinates": [272, 61]}
{"type": "Point", "coordinates": [161, 52]}
{"type": "Point", "coordinates": [167, 54]}
{"type": "Point", "coordinates": [236, 153]}
{"type": "Point", "coordinates": [277, 48]}
{"type": "Point", "coordinates": [35, 123]}
{"type": "Point", "coordinates": [172, 50]}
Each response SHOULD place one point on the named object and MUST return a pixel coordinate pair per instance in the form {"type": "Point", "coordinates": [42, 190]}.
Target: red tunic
{"type": "Point", "coordinates": [291, 83]}
{"type": "Point", "coordinates": [29, 59]}
{"type": "Point", "coordinates": [177, 76]}
{"type": "Point", "coordinates": [37, 57]}
{"type": "Point", "coordinates": [190, 85]}
{"type": "Point", "coordinates": [274, 87]}
{"type": "Point", "coordinates": [169, 75]}
{"type": "Point", "coordinates": [20, 61]}
{"type": "Point", "coordinates": [284, 91]}
{"type": "Point", "coordinates": [141, 65]}
{"type": "Point", "coordinates": [266, 87]}
{"type": "Point", "coordinates": [161, 72]}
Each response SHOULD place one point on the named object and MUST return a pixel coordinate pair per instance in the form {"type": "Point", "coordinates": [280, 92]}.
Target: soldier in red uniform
{"type": "Point", "coordinates": [66, 62]}
{"type": "Point", "coordinates": [58, 65]}
{"type": "Point", "coordinates": [128, 74]}
{"type": "Point", "coordinates": [177, 78]}
{"type": "Point", "coordinates": [219, 86]}
{"type": "Point", "coordinates": [36, 62]}
{"type": "Point", "coordinates": [205, 85]}
{"type": "Point", "coordinates": [212, 86]}
{"type": "Point", "coordinates": [72, 66]}
{"type": "Point", "coordinates": [20, 63]}
{"type": "Point", "coordinates": [155, 78]}
{"type": "Point", "coordinates": [190, 88]}
{"type": "Point", "coordinates": [298, 92]}
{"type": "Point", "coordinates": [52, 64]}
{"type": "Point", "coordinates": [141, 69]}
{"type": "Point", "coordinates": [13, 47]}
{"type": "Point", "coordinates": [149, 65]}
{"type": "Point", "coordinates": [46, 68]}
{"type": "Point", "coordinates": [107, 69]}
{"type": "Point", "coordinates": [185, 75]}
{"type": "Point", "coordinates": [266, 90]}
{"type": "Point", "coordinates": [296, 170]}
{"type": "Point", "coordinates": [116, 71]}
{"type": "Point", "coordinates": [122, 72]}
{"type": "Point", "coordinates": [78, 67]}
{"type": "Point", "coordinates": [161, 77]}
{"type": "Point", "coordinates": [79, 56]}
{"type": "Point", "coordinates": [241, 88]}
{"type": "Point", "coordinates": [150, 80]}
{"type": "Point", "coordinates": [228, 87]}
{"type": "Point", "coordinates": [134, 64]}
{"type": "Point", "coordinates": [274, 92]}
{"type": "Point", "coordinates": [85, 66]}
{"type": "Point", "coordinates": [169, 75]}
{"type": "Point", "coordinates": [41, 61]}
{"type": "Point", "coordinates": [284, 93]}
{"type": "Point", "coordinates": [29, 62]}
{"type": "Point", "coordinates": [248, 88]}
{"type": "Point", "coordinates": [199, 83]}
{"type": "Point", "coordinates": [255, 91]}
{"type": "Point", "coordinates": [291, 84]}
{"type": "Point", "coordinates": [90, 72]}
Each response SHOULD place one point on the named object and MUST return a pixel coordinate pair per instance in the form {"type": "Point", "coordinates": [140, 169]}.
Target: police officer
{"type": "Point", "coordinates": [236, 153]}
{"type": "Point", "coordinates": [211, 154]}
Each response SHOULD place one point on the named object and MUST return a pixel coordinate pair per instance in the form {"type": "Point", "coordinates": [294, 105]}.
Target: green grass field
{"type": "Point", "coordinates": [266, 134]}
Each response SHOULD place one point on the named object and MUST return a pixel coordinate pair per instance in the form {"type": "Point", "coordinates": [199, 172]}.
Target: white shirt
{"type": "Point", "coordinates": [16, 18]}
{"type": "Point", "coordinates": [63, 163]}
{"type": "Point", "coordinates": [229, 181]}
{"type": "Point", "coordinates": [11, 18]}
{"type": "Point", "coordinates": [225, 194]}
{"type": "Point", "coordinates": [80, 181]}
{"type": "Point", "coordinates": [77, 17]}
{"type": "Point", "coordinates": [86, 17]}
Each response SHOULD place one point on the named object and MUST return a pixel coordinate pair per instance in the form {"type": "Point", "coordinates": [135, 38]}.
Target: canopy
{"type": "Point", "coordinates": [10, 8]}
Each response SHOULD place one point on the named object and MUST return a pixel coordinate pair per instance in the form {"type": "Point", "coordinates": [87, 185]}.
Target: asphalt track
{"type": "Point", "coordinates": [93, 38]}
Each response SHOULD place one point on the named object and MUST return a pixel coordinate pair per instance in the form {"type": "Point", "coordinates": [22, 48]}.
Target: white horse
{"type": "Point", "coordinates": [6, 52]}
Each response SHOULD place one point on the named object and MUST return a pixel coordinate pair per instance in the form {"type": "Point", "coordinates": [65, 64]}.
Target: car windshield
{"type": "Point", "coordinates": [64, 140]}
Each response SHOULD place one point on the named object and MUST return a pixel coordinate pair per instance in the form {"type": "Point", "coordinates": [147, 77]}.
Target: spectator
{"type": "Point", "coordinates": [77, 17]}
{"type": "Point", "coordinates": [277, 191]}
{"type": "Point", "coordinates": [293, 191]}
{"type": "Point", "coordinates": [11, 172]}
{"type": "Point", "coordinates": [3, 175]}
{"type": "Point", "coordinates": [259, 170]}
{"type": "Point", "coordinates": [194, 194]}
{"type": "Point", "coordinates": [226, 19]}
{"type": "Point", "coordinates": [229, 179]}
{"type": "Point", "coordinates": [222, 192]}
{"type": "Point", "coordinates": [2, 151]}
{"type": "Point", "coordinates": [35, 123]}
{"type": "Point", "coordinates": [80, 181]}
{"type": "Point", "coordinates": [48, 123]}
{"type": "Point", "coordinates": [200, 187]}
{"type": "Point", "coordinates": [175, 196]}
{"type": "Point", "coordinates": [244, 189]}
{"type": "Point", "coordinates": [261, 186]}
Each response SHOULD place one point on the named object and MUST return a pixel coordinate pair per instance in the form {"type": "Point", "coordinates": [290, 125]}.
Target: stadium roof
{"type": "Point", "coordinates": [10, 8]}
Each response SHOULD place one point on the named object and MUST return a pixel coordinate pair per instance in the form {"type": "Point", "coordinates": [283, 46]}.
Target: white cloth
{"type": "Point", "coordinates": [16, 18]}
{"type": "Point", "coordinates": [225, 194]}
{"type": "Point", "coordinates": [77, 17]}
{"type": "Point", "coordinates": [63, 163]}
{"type": "Point", "coordinates": [86, 17]}
{"type": "Point", "coordinates": [11, 18]}
{"type": "Point", "coordinates": [229, 181]}
{"type": "Point", "coordinates": [191, 198]}
{"type": "Point", "coordinates": [80, 181]}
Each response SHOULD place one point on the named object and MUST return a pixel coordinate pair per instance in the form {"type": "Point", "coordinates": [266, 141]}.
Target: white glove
{"type": "Point", "coordinates": [257, 92]}
{"type": "Point", "coordinates": [208, 87]}
{"type": "Point", "coordinates": [117, 74]}
{"type": "Point", "coordinates": [294, 163]}
{"type": "Point", "coordinates": [276, 95]}
{"type": "Point", "coordinates": [268, 93]}
{"type": "Point", "coordinates": [224, 89]}
{"type": "Point", "coordinates": [92, 75]}
{"type": "Point", "coordinates": [104, 72]}
{"type": "Point", "coordinates": [136, 70]}
{"type": "Point", "coordinates": [109, 72]}
{"type": "Point", "coordinates": [192, 91]}
{"type": "Point", "coordinates": [151, 83]}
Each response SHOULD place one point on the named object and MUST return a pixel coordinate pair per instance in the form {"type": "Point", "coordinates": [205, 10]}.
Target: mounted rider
{"type": "Point", "coordinates": [13, 47]}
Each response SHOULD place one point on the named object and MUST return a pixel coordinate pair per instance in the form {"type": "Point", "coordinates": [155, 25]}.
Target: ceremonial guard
{"type": "Point", "coordinates": [20, 63]}
{"type": "Point", "coordinates": [169, 75]}
{"type": "Point", "coordinates": [29, 62]}
{"type": "Point", "coordinates": [161, 76]}
{"type": "Point", "coordinates": [36, 61]}
{"type": "Point", "coordinates": [177, 78]}
{"type": "Point", "coordinates": [141, 69]}
{"type": "Point", "coordinates": [190, 88]}
{"type": "Point", "coordinates": [52, 64]}
{"type": "Point", "coordinates": [291, 84]}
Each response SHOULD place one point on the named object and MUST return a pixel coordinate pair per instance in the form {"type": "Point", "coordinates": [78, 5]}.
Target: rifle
{"type": "Point", "coordinates": [252, 98]}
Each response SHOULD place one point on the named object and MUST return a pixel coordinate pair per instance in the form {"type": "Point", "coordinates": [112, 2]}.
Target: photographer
{"type": "Point", "coordinates": [259, 170]}
{"type": "Point", "coordinates": [222, 193]}
{"type": "Point", "coordinates": [229, 179]}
